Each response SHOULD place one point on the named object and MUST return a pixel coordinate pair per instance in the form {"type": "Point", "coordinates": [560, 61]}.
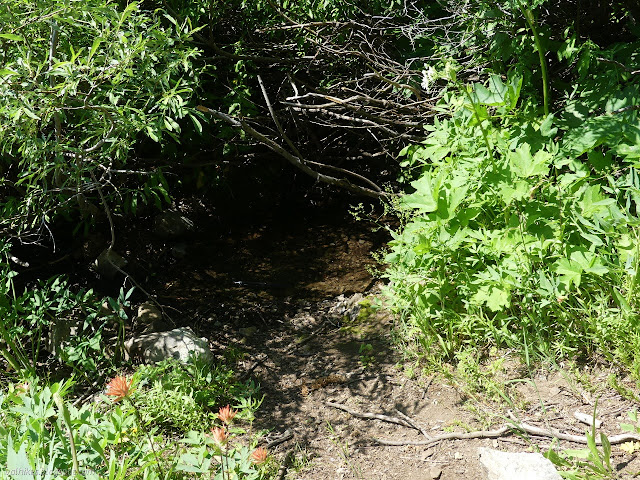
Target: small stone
{"type": "Point", "coordinates": [248, 331]}
{"type": "Point", "coordinates": [435, 472]}
{"type": "Point", "coordinates": [150, 318]}
{"type": "Point", "coordinates": [109, 263]}
{"type": "Point", "coordinates": [171, 224]}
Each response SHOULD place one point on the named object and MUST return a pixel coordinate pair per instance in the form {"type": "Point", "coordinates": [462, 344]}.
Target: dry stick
{"type": "Point", "coordinates": [447, 436]}
{"type": "Point", "coordinates": [282, 471]}
{"type": "Point", "coordinates": [295, 149]}
{"type": "Point", "coordinates": [413, 424]}
{"type": "Point", "coordinates": [523, 427]}
{"type": "Point", "coordinates": [107, 210]}
{"type": "Point", "coordinates": [294, 160]}
{"type": "Point", "coordinates": [375, 416]}
{"type": "Point", "coordinates": [287, 435]}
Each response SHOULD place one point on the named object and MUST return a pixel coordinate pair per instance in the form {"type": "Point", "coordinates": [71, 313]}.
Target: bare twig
{"type": "Point", "coordinates": [515, 427]}
{"type": "Point", "coordinates": [372, 416]}
{"type": "Point", "coordinates": [447, 436]}
{"type": "Point", "coordinates": [293, 159]}
{"type": "Point", "coordinates": [413, 424]}
{"type": "Point", "coordinates": [287, 435]}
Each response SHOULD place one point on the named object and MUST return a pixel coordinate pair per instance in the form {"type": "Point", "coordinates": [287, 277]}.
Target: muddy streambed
{"type": "Point", "coordinates": [253, 274]}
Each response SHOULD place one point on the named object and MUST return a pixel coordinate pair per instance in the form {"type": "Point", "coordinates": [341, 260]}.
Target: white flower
{"type": "Point", "coordinates": [428, 76]}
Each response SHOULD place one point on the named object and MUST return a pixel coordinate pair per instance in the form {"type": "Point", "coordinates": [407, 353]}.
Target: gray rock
{"type": "Point", "coordinates": [109, 263]}
{"type": "Point", "coordinates": [149, 318]}
{"type": "Point", "coordinates": [521, 466]}
{"type": "Point", "coordinates": [171, 225]}
{"type": "Point", "coordinates": [181, 344]}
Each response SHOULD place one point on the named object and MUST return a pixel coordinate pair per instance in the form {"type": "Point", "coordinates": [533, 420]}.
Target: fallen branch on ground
{"type": "Point", "coordinates": [375, 416]}
{"type": "Point", "coordinates": [515, 427]}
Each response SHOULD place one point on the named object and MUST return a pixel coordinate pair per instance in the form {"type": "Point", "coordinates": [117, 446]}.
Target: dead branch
{"type": "Point", "coordinates": [370, 416]}
{"type": "Point", "coordinates": [515, 427]}
{"type": "Point", "coordinates": [295, 160]}
{"type": "Point", "coordinates": [413, 424]}
{"type": "Point", "coordinates": [446, 436]}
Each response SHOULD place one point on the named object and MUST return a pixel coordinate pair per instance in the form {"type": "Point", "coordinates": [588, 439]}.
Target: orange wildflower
{"type": "Point", "coordinates": [219, 436]}
{"type": "Point", "coordinates": [259, 455]}
{"type": "Point", "coordinates": [22, 388]}
{"type": "Point", "coordinates": [119, 388]}
{"type": "Point", "coordinates": [226, 414]}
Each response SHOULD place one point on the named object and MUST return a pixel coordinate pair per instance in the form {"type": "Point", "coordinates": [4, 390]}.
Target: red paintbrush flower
{"type": "Point", "coordinates": [259, 455]}
{"type": "Point", "coordinates": [219, 436]}
{"type": "Point", "coordinates": [226, 414]}
{"type": "Point", "coordinates": [119, 388]}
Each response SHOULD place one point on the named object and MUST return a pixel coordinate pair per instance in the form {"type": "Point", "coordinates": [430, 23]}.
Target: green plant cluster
{"type": "Point", "coordinates": [44, 436]}
{"type": "Point", "coordinates": [522, 228]}
{"type": "Point", "coordinates": [31, 318]}
{"type": "Point", "coordinates": [180, 397]}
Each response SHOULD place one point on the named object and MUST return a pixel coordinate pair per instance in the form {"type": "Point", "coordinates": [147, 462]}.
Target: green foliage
{"type": "Point", "coordinates": [77, 88]}
{"type": "Point", "coordinates": [185, 397]}
{"type": "Point", "coordinates": [521, 231]}
{"type": "Point", "coordinates": [587, 463]}
{"type": "Point", "coordinates": [204, 452]}
{"type": "Point", "coordinates": [32, 317]}
{"type": "Point", "coordinates": [44, 433]}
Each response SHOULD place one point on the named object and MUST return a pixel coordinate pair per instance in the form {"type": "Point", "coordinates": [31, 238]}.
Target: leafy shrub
{"type": "Point", "coordinates": [78, 85]}
{"type": "Point", "coordinates": [42, 435]}
{"type": "Point", "coordinates": [31, 318]}
{"type": "Point", "coordinates": [185, 397]}
{"type": "Point", "coordinates": [522, 231]}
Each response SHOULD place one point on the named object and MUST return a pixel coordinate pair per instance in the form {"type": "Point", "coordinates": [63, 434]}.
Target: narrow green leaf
{"type": "Point", "coordinates": [606, 450]}
{"type": "Point", "coordinates": [11, 36]}
{"type": "Point", "coordinates": [94, 47]}
{"type": "Point", "coordinates": [30, 113]}
{"type": "Point", "coordinates": [128, 11]}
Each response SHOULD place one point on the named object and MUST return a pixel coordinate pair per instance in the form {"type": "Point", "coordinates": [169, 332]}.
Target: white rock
{"type": "Point", "coordinates": [521, 466]}
{"type": "Point", "coordinates": [181, 344]}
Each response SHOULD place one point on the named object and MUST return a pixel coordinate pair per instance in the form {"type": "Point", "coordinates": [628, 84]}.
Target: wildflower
{"type": "Point", "coordinates": [119, 388]}
{"type": "Point", "coordinates": [22, 388]}
{"type": "Point", "coordinates": [226, 414]}
{"type": "Point", "coordinates": [219, 436]}
{"type": "Point", "coordinates": [428, 76]}
{"type": "Point", "coordinates": [259, 455]}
